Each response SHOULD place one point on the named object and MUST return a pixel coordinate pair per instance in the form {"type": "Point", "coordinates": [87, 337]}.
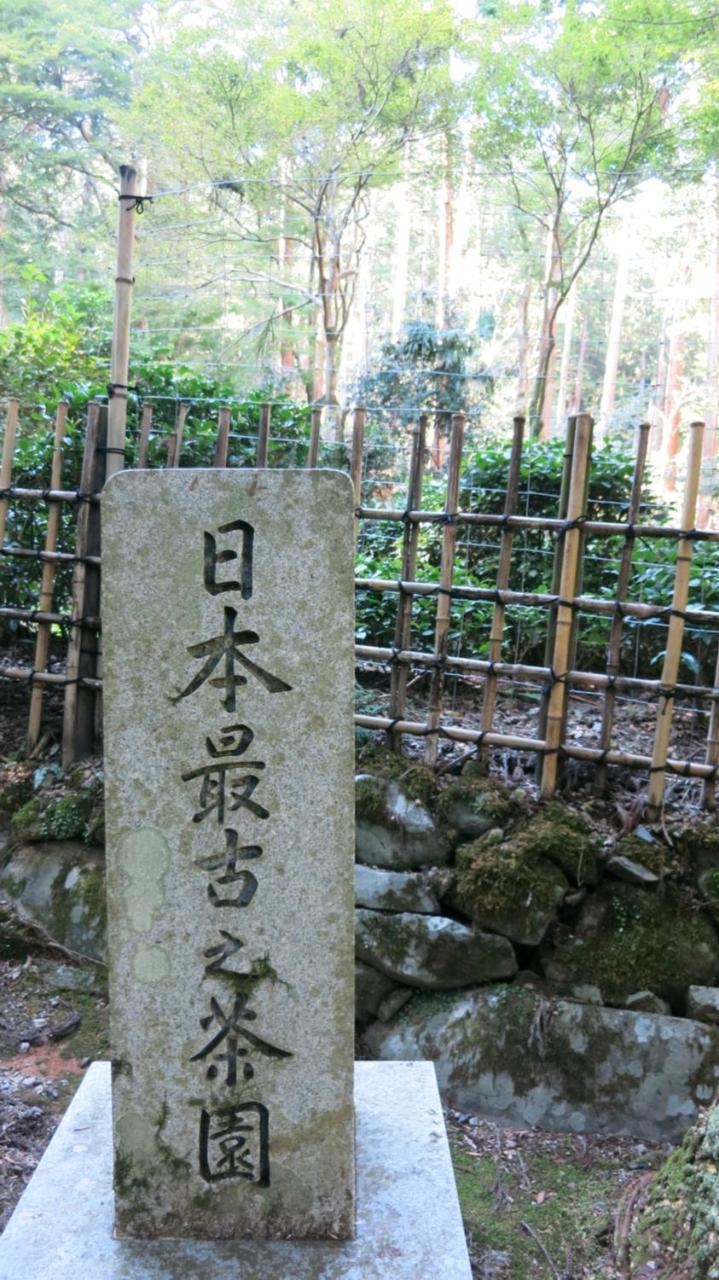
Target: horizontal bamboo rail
{"type": "Point", "coordinates": [550, 524]}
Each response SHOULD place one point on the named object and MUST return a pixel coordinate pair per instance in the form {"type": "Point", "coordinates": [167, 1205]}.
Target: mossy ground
{"type": "Point", "coordinates": [565, 1188]}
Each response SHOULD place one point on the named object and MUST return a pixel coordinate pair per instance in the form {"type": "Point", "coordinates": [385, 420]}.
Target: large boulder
{"type": "Point", "coordinates": [508, 1054]}
{"type": "Point", "coordinates": [629, 939]}
{"type": "Point", "coordinates": [431, 952]}
{"type": "Point", "coordinates": [394, 827]}
{"type": "Point", "coordinates": [395, 890]}
{"type": "Point", "coordinates": [61, 886]}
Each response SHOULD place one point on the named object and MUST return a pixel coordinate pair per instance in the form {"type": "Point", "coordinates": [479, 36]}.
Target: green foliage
{"type": "Point", "coordinates": [428, 367]}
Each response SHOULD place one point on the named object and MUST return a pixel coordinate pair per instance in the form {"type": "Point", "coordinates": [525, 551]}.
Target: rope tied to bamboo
{"type": "Point", "coordinates": [448, 517]}
{"type": "Point", "coordinates": [135, 202]}
{"type": "Point", "coordinates": [120, 389]}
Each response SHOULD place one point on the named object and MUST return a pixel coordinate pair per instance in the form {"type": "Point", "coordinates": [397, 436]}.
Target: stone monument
{"type": "Point", "coordinates": [230, 851]}
{"type": "Point", "coordinates": [228, 669]}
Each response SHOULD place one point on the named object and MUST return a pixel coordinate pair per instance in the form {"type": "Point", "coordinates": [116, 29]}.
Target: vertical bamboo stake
{"type": "Point", "coordinates": [675, 634]}
{"type": "Point", "coordinates": [145, 428]}
{"type": "Point", "coordinates": [8, 449]}
{"type": "Point", "coordinates": [78, 715]}
{"type": "Point", "coordinates": [174, 440]}
{"type": "Point", "coordinates": [223, 436]}
{"type": "Point", "coordinates": [712, 756]}
{"type": "Point", "coordinates": [42, 642]}
{"type": "Point", "coordinates": [573, 637]}
{"type": "Point", "coordinates": [358, 425]}
{"type": "Point", "coordinates": [442, 621]}
{"type": "Point", "coordinates": [117, 407]}
{"type": "Point", "coordinates": [614, 648]}
{"type": "Point", "coordinates": [505, 559]}
{"type": "Point", "coordinates": [410, 544]}
{"type": "Point", "coordinates": [557, 564]}
{"type": "Point", "coordinates": [565, 612]}
{"type": "Point", "coordinates": [263, 435]}
{"type": "Point", "coordinates": [314, 449]}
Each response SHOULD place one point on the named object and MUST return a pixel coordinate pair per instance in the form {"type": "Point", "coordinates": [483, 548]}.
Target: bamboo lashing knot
{"type": "Point", "coordinates": [137, 202]}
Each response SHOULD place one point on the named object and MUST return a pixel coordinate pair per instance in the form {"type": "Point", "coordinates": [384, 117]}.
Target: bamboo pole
{"type": "Point", "coordinates": [174, 440]}
{"type": "Point", "coordinates": [675, 633]}
{"type": "Point", "coordinates": [410, 547]}
{"type": "Point", "coordinates": [120, 361]}
{"type": "Point", "coordinates": [712, 755]}
{"type": "Point", "coordinates": [78, 716]}
{"type": "Point", "coordinates": [44, 629]}
{"type": "Point", "coordinates": [557, 559]}
{"type": "Point", "coordinates": [578, 582]}
{"type": "Point", "coordinates": [223, 436]}
{"type": "Point", "coordinates": [58, 678]}
{"type": "Point", "coordinates": [442, 621]}
{"type": "Point", "coordinates": [263, 435]}
{"type": "Point", "coordinates": [496, 632]}
{"type": "Point", "coordinates": [614, 648]}
{"type": "Point", "coordinates": [315, 429]}
{"type": "Point", "coordinates": [552, 524]}
{"type": "Point", "coordinates": [145, 428]}
{"type": "Point", "coordinates": [559, 663]}
{"type": "Point", "coordinates": [8, 450]}
{"type": "Point", "coordinates": [359, 419]}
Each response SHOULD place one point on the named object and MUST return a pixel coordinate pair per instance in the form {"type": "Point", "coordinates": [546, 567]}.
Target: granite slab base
{"type": "Point", "coordinates": [408, 1220]}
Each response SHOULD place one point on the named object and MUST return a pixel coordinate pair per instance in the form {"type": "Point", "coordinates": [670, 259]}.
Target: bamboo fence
{"type": "Point", "coordinates": [81, 679]}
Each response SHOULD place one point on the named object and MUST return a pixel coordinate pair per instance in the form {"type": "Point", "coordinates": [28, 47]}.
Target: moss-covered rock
{"type": "Point", "coordinates": [654, 855]}
{"type": "Point", "coordinates": [430, 952]}
{"type": "Point", "coordinates": [677, 1225]}
{"type": "Point", "coordinates": [629, 939]}
{"type": "Point", "coordinates": [698, 846]}
{"type": "Point", "coordinates": [564, 838]}
{"type": "Point", "coordinates": [473, 806]}
{"type": "Point", "coordinates": [508, 888]}
{"type": "Point", "coordinates": [61, 886]}
{"type": "Point", "coordinates": [71, 815]}
{"type": "Point", "coordinates": [417, 781]}
{"type": "Point", "coordinates": [394, 828]}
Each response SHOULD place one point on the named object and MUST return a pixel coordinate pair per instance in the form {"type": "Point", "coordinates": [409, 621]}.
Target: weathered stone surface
{"type": "Point", "coordinates": [586, 994]}
{"type": "Point", "coordinates": [394, 890]}
{"type": "Point", "coordinates": [633, 872]}
{"type": "Point", "coordinates": [703, 1004]}
{"type": "Point", "coordinates": [395, 829]}
{"type": "Point", "coordinates": [433, 952]}
{"type": "Point", "coordinates": [229, 646]}
{"type": "Point", "coordinates": [647, 1002]}
{"type": "Point", "coordinates": [588, 1068]}
{"type": "Point", "coordinates": [61, 886]}
{"type": "Point", "coordinates": [629, 939]}
{"type": "Point", "coordinates": [409, 1225]}
{"type": "Point", "coordinates": [475, 806]}
{"type": "Point", "coordinates": [371, 987]}
{"type": "Point", "coordinates": [392, 1003]}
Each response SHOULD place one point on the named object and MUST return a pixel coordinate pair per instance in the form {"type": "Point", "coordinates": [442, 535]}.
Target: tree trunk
{"type": "Point", "coordinates": [567, 337]}
{"type": "Point", "coordinates": [577, 404]}
{"type": "Point", "coordinates": [446, 238]}
{"type": "Point", "coordinates": [400, 272]}
{"type": "Point", "coordinates": [523, 349]}
{"type": "Point", "coordinates": [672, 409]}
{"type": "Point", "coordinates": [611, 363]}
{"type": "Point", "coordinates": [704, 512]}
{"type": "Point", "coordinates": [550, 306]}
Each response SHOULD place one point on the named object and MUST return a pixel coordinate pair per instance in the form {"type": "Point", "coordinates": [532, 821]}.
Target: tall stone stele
{"type": "Point", "coordinates": [228, 667]}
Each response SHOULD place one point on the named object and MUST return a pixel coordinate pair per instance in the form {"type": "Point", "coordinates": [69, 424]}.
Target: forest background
{"type": "Point", "coordinates": [412, 203]}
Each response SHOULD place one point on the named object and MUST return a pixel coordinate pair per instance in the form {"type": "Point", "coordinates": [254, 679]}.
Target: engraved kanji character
{"type": "Point", "coordinates": [234, 1143]}
{"type": "Point", "coordinates": [213, 557]}
{"type": "Point", "coordinates": [232, 1031]}
{"type": "Point", "coordinates": [228, 647]}
{"type": "Point", "coordinates": [233, 874]}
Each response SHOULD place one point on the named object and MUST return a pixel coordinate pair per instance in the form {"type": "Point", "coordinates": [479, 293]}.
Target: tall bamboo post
{"type": "Point", "coordinates": [263, 435]}
{"type": "Point", "coordinates": [496, 632]}
{"type": "Point", "coordinates": [315, 428]}
{"type": "Point", "coordinates": [42, 641]}
{"type": "Point", "coordinates": [712, 756]}
{"type": "Point", "coordinates": [557, 561]}
{"type": "Point", "coordinates": [120, 365]}
{"type": "Point", "coordinates": [574, 632]}
{"type": "Point", "coordinates": [359, 419]}
{"type": "Point", "coordinates": [563, 628]}
{"type": "Point", "coordinates": [78, 733]}
{"type": "Point", "coordinates": [444, 588]}
{"type": "Point", "coordinates": [410, 545]}
{"type": "Point", "coordinates": [675, 633]}
{"type": "Point", "coordinates": [145, 428]}
{"type": "Point", "coordinates": [174, 440]}
{"type": "Point", "coordinates": [8, 450]}
{"type": "Point", "coordinates": [614, 648]}
{"type": "Point", "coordinates": [223, 436]}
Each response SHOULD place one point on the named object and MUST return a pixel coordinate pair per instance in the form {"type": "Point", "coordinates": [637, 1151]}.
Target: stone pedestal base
{"type": "Point", "coordinates": [408, 1220]}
